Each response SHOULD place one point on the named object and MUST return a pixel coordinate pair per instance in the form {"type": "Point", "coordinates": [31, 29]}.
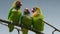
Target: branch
{"type": "Point", "coordinates": [30, 28]}
{"type": "Point", "coordinates": [15, 27]}
{"type": "Point", "coordinates": [53, 32]}
{"type": "Point", "coordinates": [51, 26]}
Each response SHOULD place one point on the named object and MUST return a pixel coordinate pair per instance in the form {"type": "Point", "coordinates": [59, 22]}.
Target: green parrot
{"type": "Point", "coordinates": [14, 14]}
{"type": "Point", "coordinates": [37, 23]}
{"type": "Point", "coordinates": [26, 20]}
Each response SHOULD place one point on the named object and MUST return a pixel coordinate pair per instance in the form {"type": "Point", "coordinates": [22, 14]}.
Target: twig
{"type": "Point", "coordinates": [18, 31]}
{"type": "Point", "coordinates": [7, 25]}
{"type": "Point", "coordinates": [14, 27]}
{"type": "Point", "coordinates": [51, 26]}
{"type": "Point", "coordinates": [53, 32]}
{"type": "Point", "coordinates": [30, 28]}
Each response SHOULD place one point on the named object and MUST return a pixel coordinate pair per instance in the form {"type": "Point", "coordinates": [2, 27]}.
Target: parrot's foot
{"type": "Point", "coordinates": [11, 22]}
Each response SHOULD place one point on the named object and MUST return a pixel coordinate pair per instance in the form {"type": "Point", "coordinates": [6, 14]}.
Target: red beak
{"type": "Point", "coordinates": [20, 3]}
{"type": "Point", "coordinates": [33, 10]}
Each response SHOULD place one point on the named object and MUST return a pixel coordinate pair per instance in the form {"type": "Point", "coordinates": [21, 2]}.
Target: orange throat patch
{"type": "Point", "coordinates": [35, 14]}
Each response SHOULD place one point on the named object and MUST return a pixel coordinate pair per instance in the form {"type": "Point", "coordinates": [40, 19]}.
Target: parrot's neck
{"type": "Point", "coordinates": [27, 14]}
{"type": "Point", "coordinates": [36, 14]}
{"type": "Point", "coordinates": [17, 8]}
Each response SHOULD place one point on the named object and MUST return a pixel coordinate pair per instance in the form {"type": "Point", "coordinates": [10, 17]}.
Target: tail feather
{"type": "Point", "coordinates": [11, 27]}
{"type": "Point", "coordinates": [24, 31]}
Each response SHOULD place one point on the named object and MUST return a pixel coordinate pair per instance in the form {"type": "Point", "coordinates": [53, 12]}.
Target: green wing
{"type": "Point", "coordinates": [10, 26]}
{"type": "Point", "coordinates": [10, 13]}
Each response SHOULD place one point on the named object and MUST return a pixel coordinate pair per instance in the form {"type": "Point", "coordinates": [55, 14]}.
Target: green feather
{"type": "Point", "coordinates": [26, 20]}
{"type": "Point", "coordinates": [14, 16]}
{"type": "Point", "coordinates": [37, 23]}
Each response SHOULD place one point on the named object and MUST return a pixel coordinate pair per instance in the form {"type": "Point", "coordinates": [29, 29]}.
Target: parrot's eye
{"type": "Point", "coordinates": [35, 8]}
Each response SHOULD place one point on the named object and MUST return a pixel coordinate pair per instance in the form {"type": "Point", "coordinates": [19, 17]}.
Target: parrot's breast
{"type": "Point", "coordinates": [15, 16]}
{"type": "Point", "coordinates": [37, 23]}
{"type": "Point", "coordinates": [26, 20]}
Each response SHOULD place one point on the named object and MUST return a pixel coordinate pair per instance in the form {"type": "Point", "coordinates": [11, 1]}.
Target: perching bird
{"type": "Point", "coordinates": [26, 20]}
{"type": "Point", "coordinates": [37, 23]}
{"type": "Point", "coordinates": [14, 14]}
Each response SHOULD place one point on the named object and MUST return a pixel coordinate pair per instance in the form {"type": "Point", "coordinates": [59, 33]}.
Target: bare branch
{"type": "Point", "coordinates": [30, 28]}
{"type": "Point", "coordinates": [53, 32]}
{"type": "Point", "coordinates": [51, 26]}
{"type": "Point", "coordinates": [7, 25]}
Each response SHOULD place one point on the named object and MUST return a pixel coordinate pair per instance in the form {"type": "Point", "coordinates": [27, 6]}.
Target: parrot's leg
{"type": "Point", "coordinates": [18, 31]}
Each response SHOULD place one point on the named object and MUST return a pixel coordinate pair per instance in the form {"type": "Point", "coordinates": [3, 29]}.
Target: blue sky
{"type": "Point", "coordinates": [50, 8]}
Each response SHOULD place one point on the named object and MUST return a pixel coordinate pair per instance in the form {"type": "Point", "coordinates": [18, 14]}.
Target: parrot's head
{"type": "Point", "coordinates": [18, 4]}
{"type": "Point", "coordinates": [26, 11]}
{"type": "Point", "coordinates": [35, 11]}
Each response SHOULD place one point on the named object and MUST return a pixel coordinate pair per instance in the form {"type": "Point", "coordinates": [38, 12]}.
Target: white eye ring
{"type": "Point", "coordinates": [26, 8]}
{"type": "Point", "coordinates": [32, 9]}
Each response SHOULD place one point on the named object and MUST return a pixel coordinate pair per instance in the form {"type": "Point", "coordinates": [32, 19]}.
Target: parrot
{"type": "Point", "coordinates": [37, 23]}
{"type": "Point", "coordinates": [14, 14]}
{"type": "Point", "coordinates": [26, 20]}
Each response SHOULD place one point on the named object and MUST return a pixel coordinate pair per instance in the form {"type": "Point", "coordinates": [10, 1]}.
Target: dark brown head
{"type": "Point", "coordinates": [18, 4]}
{"type": "Point", "coordinates": [26, 11]}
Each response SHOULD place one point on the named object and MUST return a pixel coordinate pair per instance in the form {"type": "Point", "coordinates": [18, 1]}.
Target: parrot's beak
{"type": "Point", "coordinates": [20, 3]}
{"type": "Point", "coordinates": [33, 10]}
